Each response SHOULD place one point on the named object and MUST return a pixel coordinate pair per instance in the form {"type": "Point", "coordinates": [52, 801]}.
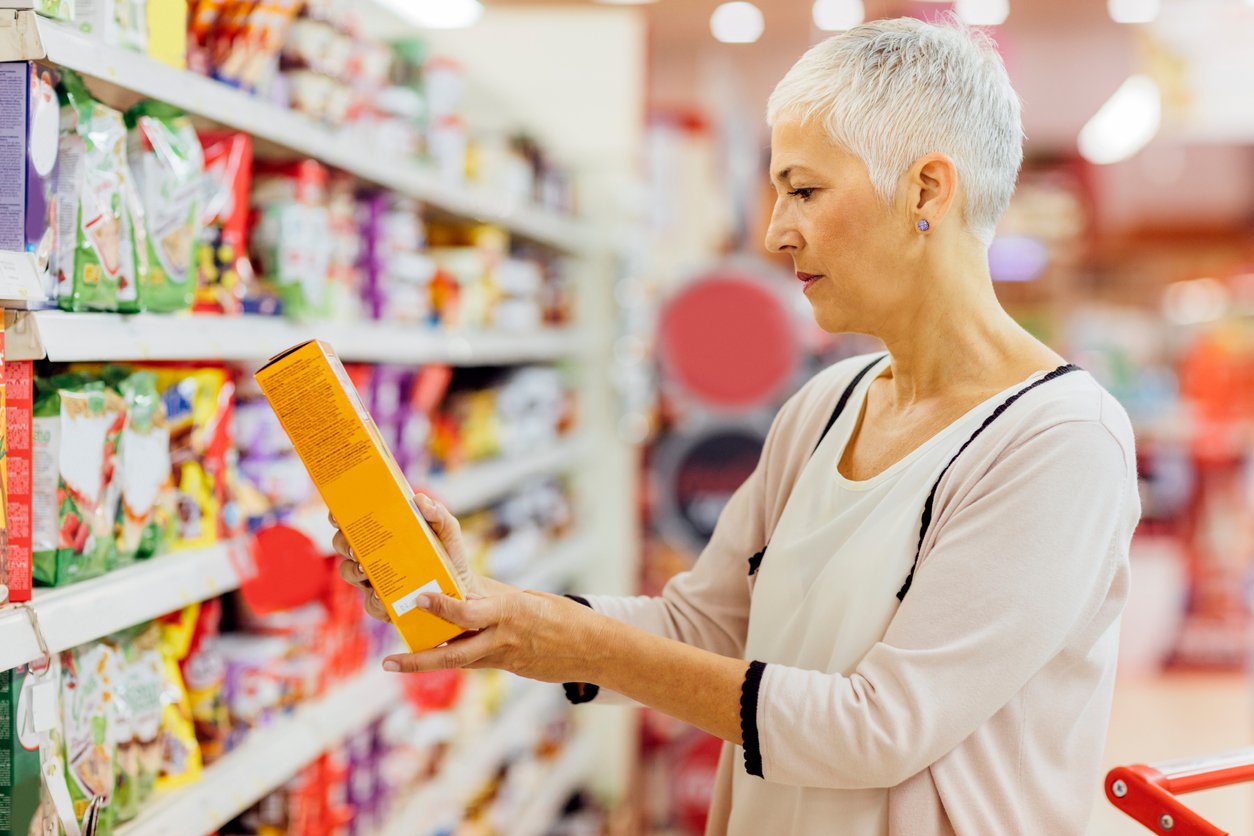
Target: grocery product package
{"type": "Point", "coordinates": [167, 31]}
{"type": "Point", "coordinates": [144, 455]}
{"type": "Point", "coordinates": [292, 236]}
{"type": "Point", "coordinates": [168, 166]}
{"type": "Point", "coordinates": [248, 52]}
{"type": "Point", "coordinates": [15, 560]}
{"type": "Point", "coordinates": [101, 249]}
{"type": "Point", "coordinates": [180, 752]}
{"type": "Point", "coordinates": [58, 9]}
{"type": "Point", "coordinates": [143, 683]}
{"type": "Point", "coordinates": [24, 805]}
{"type": "Point", "coordinates": [29, 177]}
{"type": "Point", "coordinates": [91, 684]}
{"type": "Point", "coordinates": [360, 482]}
{"type": "Point", "coordinates": [76, 427]}
{"type": "Point", "coordinates": [224, 273]}
{"type": "Point", "coordinates": [204, 673]}
{"type": "Point", "coordinates": [114, 22]}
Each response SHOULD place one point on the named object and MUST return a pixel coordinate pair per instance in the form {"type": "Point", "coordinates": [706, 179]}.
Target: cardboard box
{"type": "Point", "coordinates": [15, 561]}
{"type": "Point", "coordinates": [360, 482]}
{"type": "Point", "coordinates": [29, 133]}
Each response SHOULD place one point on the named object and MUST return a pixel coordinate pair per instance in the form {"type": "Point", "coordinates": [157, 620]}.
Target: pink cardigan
{"type": "Point", "coordinates": [984, 707]}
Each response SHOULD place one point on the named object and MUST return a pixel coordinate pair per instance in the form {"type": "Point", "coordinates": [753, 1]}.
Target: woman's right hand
{"type": "Point", "coordinates": [445, 526]}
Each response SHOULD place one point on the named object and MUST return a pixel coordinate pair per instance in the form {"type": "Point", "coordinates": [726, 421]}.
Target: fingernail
{"type": "Point", "coordinates": [360, 571]}
{"type": "Point", "coordinates": [391, 666]}
{"type": "Point", "coordinates": [425, 501]}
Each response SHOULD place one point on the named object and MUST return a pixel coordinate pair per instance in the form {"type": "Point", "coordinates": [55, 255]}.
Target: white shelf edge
{"type": "Point", "coordinates": [72, 615]}
{"type": "Point", "coordinates": [70, 337]}
{"type": "Point", "coordinates": [573, 764]}
{"type": "Point", "coordinates": [472, 762]}
{"type": "Point", "coordinates": [345, 149]}
{"type": "Point", "coordinates": [475, 486]}
{"type": "Point", "coordinates": [268, 758]}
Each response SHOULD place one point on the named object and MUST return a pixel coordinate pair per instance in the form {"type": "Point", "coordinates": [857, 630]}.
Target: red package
{"type": "Point", "coordinates": [15, 567]}
{"type": "Point", "coordinates": [224, 271]}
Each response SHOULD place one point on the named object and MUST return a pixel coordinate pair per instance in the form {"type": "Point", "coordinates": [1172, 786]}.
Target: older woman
{"type": "Point", "coordinates": [906, 620]}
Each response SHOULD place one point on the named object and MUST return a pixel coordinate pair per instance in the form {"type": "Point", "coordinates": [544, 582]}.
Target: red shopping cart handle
{"type": "Point", "coordinates": [1148, 793]}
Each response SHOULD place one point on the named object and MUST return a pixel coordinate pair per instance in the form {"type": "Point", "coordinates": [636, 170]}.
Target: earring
{"type": "Point", "coordinates": [923, 225]}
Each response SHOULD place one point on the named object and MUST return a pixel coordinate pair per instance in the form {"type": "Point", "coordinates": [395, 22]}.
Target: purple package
{"type": "Point", "coordinates": [363, 780]}
{"type": "Point", "coordinates": [389, 389]}
{"type": "Point", "coordinates": [372, 211]}
{"type": "Point", "coordinates": [29, 136]}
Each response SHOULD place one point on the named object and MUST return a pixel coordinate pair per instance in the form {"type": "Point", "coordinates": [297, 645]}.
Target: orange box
{"type": "Point", "coordinates": [360, 482]}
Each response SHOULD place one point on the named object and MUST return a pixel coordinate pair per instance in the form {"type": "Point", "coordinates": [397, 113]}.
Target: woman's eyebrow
{"type": "Point", "coordinates": [784, 173]}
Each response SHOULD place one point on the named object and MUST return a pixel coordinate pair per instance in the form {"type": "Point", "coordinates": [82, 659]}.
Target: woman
{"type": "Point", "coordinates": [906, 620]}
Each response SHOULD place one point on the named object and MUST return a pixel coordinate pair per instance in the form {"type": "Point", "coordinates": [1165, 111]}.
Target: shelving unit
{"type": "Point", "coordinates": [70, 337]}
{"type": "Point", "coordinates": [355, 152]}
{"type": "Point", "coordinates": [70, 616]}
{"type": "Point", "coordinates": [573, 765]}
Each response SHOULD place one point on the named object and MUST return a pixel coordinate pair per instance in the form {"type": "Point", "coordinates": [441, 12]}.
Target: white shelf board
{"type": "Point", "coordinates": [472, 762]}
{"type": "Point", "coordinates": [71, 615]}
{"type": "Point", "coordinates": [475, 486]}
{"type": "Point", "coordinates": [70, 337]}
{"type": "Point", "coordinates": [559, 566]}
{"type": "Point", "coordinates": [354, 151]}
{"type": "Point", "coordinates": [268, 758]}
{"type": "Point", "coordinates": [573, 766]}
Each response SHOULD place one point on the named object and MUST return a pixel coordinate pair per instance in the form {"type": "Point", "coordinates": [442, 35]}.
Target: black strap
{"type": "Point", "coordinates": [931, 497]}
{"type": "Point", "coordinates": [755, 562]}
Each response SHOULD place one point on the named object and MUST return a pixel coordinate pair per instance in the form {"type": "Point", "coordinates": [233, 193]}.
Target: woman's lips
{"type": "Point", "coordinates": [807, 279]}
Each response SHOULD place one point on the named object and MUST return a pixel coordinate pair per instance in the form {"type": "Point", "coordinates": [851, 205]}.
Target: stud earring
{"type": "Point", "coordinates": [923, 225]}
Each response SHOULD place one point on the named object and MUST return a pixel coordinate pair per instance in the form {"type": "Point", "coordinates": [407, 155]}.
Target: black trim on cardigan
{"type": "Point", "coordinates": [580, 692]}
{"type": "Point", "coordinates": [931, 497]}
{"type": "Point", "coordinates": [755, 562]}
{"type": "Point", "coordinates": [749, 717]}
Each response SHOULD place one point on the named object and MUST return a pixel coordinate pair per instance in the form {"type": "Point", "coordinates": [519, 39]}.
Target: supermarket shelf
{"type": "Point", "coordinates": [69, 337]}
{"type": "Point", "coordinates": [573, 766]}
{"type": "Point", "coordinates": [268, 759]}
{"type": "Point", "coordinates": [559, 567]}
{"type": "Point", "coordinates": [69, 616]}
{"type": "Point", "coordinates": [475, 486]}
{"type": "Point", "coordinates": [356, 152]}
{"type": "Point", "coordinates": [471, 764]}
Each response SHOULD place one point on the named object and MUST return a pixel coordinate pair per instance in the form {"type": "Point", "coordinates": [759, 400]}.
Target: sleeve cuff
{"type": "Point", "coordinates": [749, 717]}
{"type": "Point", "coordinates": [580, 692]}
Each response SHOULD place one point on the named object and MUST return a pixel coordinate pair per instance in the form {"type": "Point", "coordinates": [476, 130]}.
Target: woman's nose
{"type": "Point", "coordinates": [781, 236]}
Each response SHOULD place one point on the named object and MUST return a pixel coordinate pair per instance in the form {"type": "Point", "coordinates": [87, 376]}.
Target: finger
{"type": "Point", "coordinates": [474, 614]}
{"type": "Point", "coordinates": [331, 519]}
{"type": "Point", "coordinates": [375, 607]}
{"type": "Point", "coordinates": [340, 543]}
{"type": "Point", "coordinates": [462, 653]}
{"type": "Point", "coordinates": [442, 521]}
{"type": "Point", "coordinates": [351, 572]}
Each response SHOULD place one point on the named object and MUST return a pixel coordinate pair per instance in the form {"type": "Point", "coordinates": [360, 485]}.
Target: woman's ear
{"type": "Point", "coordinates": [932, 186]}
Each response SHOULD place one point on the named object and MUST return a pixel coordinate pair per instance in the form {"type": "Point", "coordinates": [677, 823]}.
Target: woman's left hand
{"type": "Point", "coordinates": [532, 634]}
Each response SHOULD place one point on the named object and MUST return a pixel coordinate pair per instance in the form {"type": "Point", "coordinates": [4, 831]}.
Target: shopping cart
{"type": "Point", "coordinates": [1148, 793]}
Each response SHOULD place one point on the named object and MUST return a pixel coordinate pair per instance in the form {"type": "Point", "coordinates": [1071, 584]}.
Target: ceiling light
{"type": "Point", "coordinates": [1132, 11]}
{"type": "Point", "coordinates": [737, 23]}
{"type": "Point", "coordinates": [983, 12]}
{"type": "Point", "coordinates": [436, 14]}
{"type": "Point", "coordinates": [838, 15]}
{"type": "Point", "coordinates": [1124, 124]}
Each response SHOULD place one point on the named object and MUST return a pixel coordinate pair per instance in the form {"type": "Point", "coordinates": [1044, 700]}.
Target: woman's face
{"type": "Point", "coordinates": [848, 248]}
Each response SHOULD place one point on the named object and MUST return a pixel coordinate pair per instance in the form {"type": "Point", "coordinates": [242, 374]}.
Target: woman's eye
{"type": "Point", "coordinates": [804, 194]}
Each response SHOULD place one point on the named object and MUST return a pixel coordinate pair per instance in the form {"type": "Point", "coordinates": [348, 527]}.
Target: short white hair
{"type": "Point", "coordinates": [892, 91]}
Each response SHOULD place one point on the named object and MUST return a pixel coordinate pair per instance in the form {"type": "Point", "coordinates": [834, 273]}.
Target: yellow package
{"type": "Point", "coordinates": [180, 753]}
{"type": "Point", "coordinates": [360, 482]}
{"type": "Point", "coordinates": [167, 31]}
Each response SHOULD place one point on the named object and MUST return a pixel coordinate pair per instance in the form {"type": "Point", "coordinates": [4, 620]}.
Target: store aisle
{"type": "Point", "coordinates": [1176, 716]}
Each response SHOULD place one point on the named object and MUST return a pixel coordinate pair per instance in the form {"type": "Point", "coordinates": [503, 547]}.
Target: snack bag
{"type": "Point", "coordinates": [168, 165]}
{"type": "Point", "coordinates": [144, 453]}
{"type": "Point", "coordinates": [76, 429]}
{"type": "Point", "coordinates": [144, 681]}
{"type": "Point", "coordinates": [198, 404]}
{"type": "Point", "coordinates": [180, 753]}
{"type": "Point", "coordinates": [98, 259]}
{"type": "Point", "coordinates": [124, 803]}
{"type": "Point", "coordinates": [292, 238]}
{"type": "Point", "coordinates": [91, 680]}
{"type": "Point", "coordinates": [223, 272]}
{"type": "Point", "coordinates": [204, 672]}
{"type": "Point", "coordinates": [24, 804]}
{"type": "Point", "coordinates": [58, 9]}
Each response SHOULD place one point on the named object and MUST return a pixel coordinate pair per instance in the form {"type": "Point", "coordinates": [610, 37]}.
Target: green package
{"type": "Point", "coordinates": [76, 428]}
{"type": "Point", "coordinates": [59, 9]}
{"type": "Point", "coordinates": [168, 164]}
{"type": "Point", "coordinates": [144, 459]}
{"type": "Point", "coordinates": [101, 247]}
{"type": "Point", "coordinates": [145, 682]}
{"type": "Point", "coordinates": [24, 806]}
{"type": "Point", "coordinates": [91, 680]}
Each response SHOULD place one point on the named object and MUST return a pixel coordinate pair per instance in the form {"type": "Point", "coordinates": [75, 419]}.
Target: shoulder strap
{"type": "Point", "coordinates": [931, 497]}
{"type": "Point", "coordinates": [844, 399]}
{"type": "Point", "coordinates": [755, 562]}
